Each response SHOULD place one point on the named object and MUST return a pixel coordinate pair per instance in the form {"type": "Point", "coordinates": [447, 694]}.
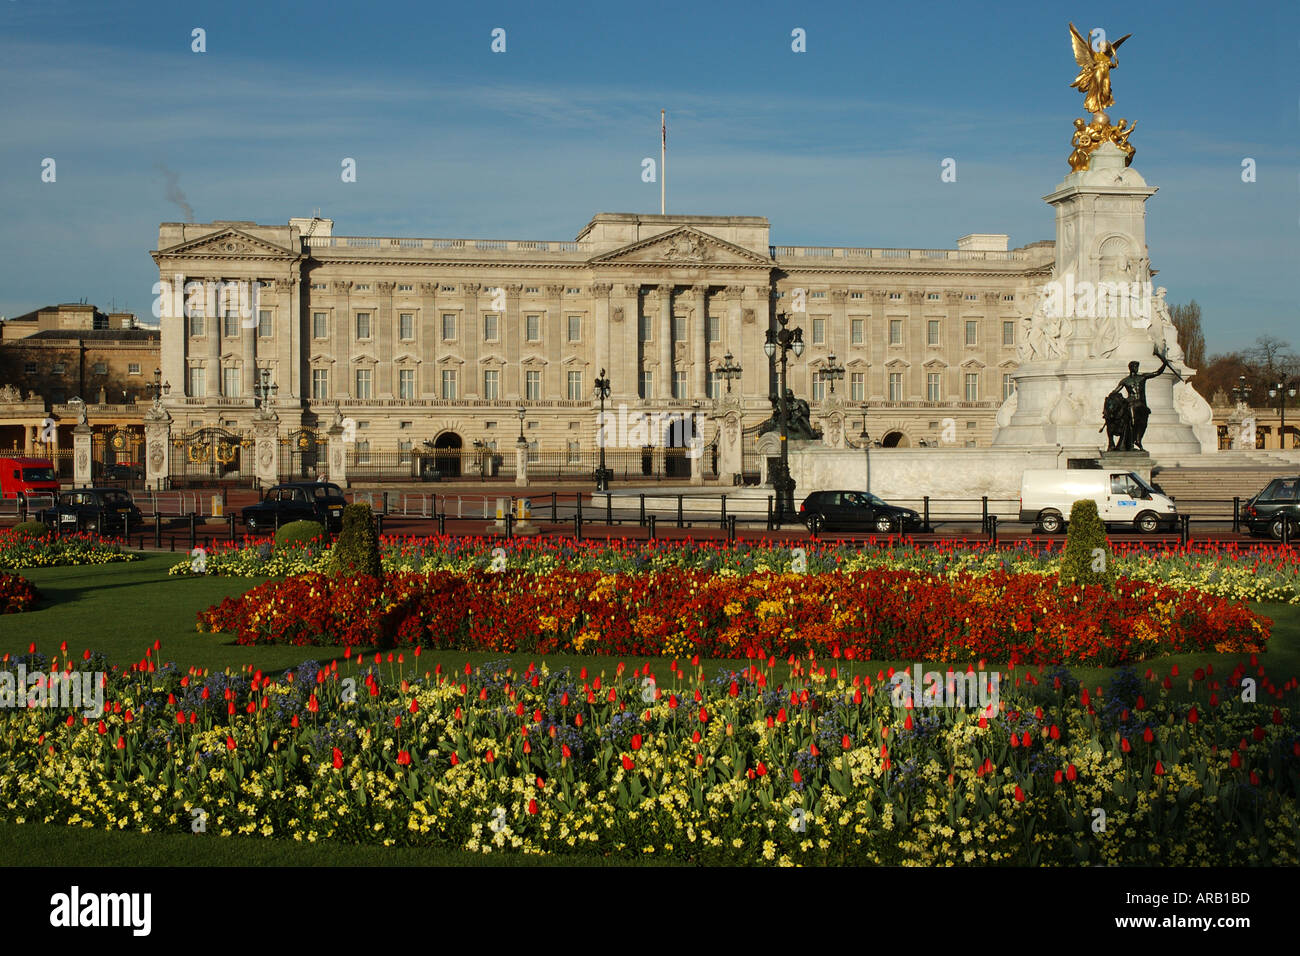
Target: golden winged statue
{"type": "Point", "coordinates": [1093, 80]}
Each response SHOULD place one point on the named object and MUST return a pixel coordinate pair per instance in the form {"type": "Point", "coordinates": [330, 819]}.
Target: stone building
{"type": "Point", "coordinates": [442, 340]}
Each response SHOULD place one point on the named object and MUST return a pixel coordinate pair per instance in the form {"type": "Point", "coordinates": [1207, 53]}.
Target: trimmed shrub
{"type": "Point", "coordinates": [1087, 558]}
{"type": "Point", "coordinates": [357, 549]}
{"type": "Point", "coordinates": [31, 529]}
{"type": "Point", "coordinates": [299, 533]}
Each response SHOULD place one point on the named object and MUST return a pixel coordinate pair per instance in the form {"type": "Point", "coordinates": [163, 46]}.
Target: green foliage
{"type": "Point", "coordinates": [31, 529]}
{"type": "Point", "coordinates": [1087, 558]}
{"type": "Point", "coordinates": [299, 533]}
{"type": "Point", "coordinates": [357, 549]}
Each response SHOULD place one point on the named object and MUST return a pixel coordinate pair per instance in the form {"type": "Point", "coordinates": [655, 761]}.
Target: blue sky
{"type": "Point", "coordinates": [838, 145]}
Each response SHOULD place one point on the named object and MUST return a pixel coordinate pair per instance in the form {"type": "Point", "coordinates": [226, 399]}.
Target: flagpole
{"type": "Point", "coordinates": [663, 161]}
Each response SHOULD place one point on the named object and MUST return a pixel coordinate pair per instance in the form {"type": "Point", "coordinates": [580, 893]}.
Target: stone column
{"type": "Point", "coordinates": [664, 378]}
{"type": "Point", "coordinates": [340, 345]}
{"type": "Point", "coordinates": [471, 335]}
{"type": "Point", "coordinates": [81, 459]}
{"type": "Point", "coordinates": [386, 372]}
{"type": "Point", "coordinates": [625, 329]}
{"type": "Point", "coordinates": [338, 456]}
{"type": "Point", "coordinates": [555, 336]}
{"type": "Point", "coordinates": [174, 341]}
{"type": "Point", "coordinates": [837, 333]}
{"type": "Point", "coordinates": [521, 464]}
{"type": "Point", "coordinates": [212, 323]}
{"type": "Point", "coordinates": [600, 322]}
{"type": "Point", "coordinates": [512, 337]}
{"type": "Point", "coordinates": [266, 448]}
{"type": "Point", "coordinates": [877, 388]}
{"type": "Point", "coordinates": [157, 443]}
{"type": "Point", "coordinates": [248, 351]}
{"type": "Point", "coordinates": [699, 345]}
{"type": "Point", "coordinates": [430, 342]}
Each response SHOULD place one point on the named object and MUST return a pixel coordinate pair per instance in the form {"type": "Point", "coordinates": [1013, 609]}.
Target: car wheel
{"type": "Point", "coordinates": [1050, 522]}
{"type": "Point", "coordinates": [91, 525]}
{"type": "Point", "coordinates": [1275, 529]}
{"type": "Point", "coordinates": [1148, 522]}
{"type": "Point", "coordinates": [884, 524]}
{"type": "Point", "coordinates": [816, 524]}
{"type": "Point", "coordinates": [251, 524]}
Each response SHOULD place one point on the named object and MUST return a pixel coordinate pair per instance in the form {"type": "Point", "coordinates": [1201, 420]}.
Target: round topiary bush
{"type": "Point", "coordinates": [31, 529]}
{"type": "Point", "coordinates": [357, 549]}
{"type": "Point", "coordinates": [1087, 558]}
{"type": "Point", "coordinates": [299, 533]}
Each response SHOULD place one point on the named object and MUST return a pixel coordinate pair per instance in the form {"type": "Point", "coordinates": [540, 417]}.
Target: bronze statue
{"type": "Point", "coordinates": [1117, 422]}
{"type": "Point", "coordinates": [1135, 385]}
{"type": "Point", "coordinates": [799, 423]}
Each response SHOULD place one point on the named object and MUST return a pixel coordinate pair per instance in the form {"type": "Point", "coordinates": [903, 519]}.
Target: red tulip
{"type": "Point", "coordinates": [1071, 773]}
{"type": "Point", "coordinates": [1147, 735]}
{"type": "Point", "coordinates": [489, 756]}
{"type": "Point", "coordinates": [1056, 777]}
{"type": "Point", "coordinates": [796, 776]}
{"type": "Point", "coordinates": [704, 716]}
{"type": "Point", "coordinates": [454, 759]}
{"type": "Point", "coordinates": [121, 743]}
{"type": "Point", "coordinates": [1160, 769]}
{"type": "Point", "coordinates": [1054, 732]}
{"type": "Point", "coordinates": [415, 706]}
{"type": "Point", "coordinates": [627, 762]}
{"type": "Point", "coordinates": [846, 743]}
{"type": "Point", "coordinates": [565, 752]}
{"type": "Point", "coordinates": [1020, 794]}
{"type": "Point", "coordinates": [532, 807]}
{"type": "Point", "coordinates": [403, 757]}
{"type": "Point", "coordinates": [1192, 716]}
{"type": "Point", "coordinates": [1235, 759]}
{"type": "Point", "coordinates": [1258, 733]}
{"type": "Point", "coordinates": [1124, 745]}
{"type": "Point", "coordinates": [230, 742]}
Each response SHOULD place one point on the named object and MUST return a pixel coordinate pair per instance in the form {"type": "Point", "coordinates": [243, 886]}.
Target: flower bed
{"type": "Point", "coordinates": [744, 768]}
{"type": "Point", "coordinates": [1267, 574]}
{"type": "Point", "coordinates": [878, 614]}
{"type": "Point", "coordinates": [17, 594]}
{"type": "Point", "coordinates": [21, 551]}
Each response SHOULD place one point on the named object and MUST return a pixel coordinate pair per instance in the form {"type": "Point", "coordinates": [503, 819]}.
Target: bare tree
{"type": "Point", "coordinates": [1187, 320]}
{"type": "Point", "coordinates": [1272, 358]}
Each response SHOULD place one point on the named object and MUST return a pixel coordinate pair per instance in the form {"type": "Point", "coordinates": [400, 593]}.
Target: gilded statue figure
{"type": "Point", "coordinates": [1093, 80]}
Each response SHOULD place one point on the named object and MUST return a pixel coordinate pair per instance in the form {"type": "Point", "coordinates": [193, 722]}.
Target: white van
{"type": "Point", "coordinates": [1123, 499]}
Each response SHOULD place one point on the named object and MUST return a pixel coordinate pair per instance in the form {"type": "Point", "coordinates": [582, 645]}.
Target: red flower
{"type": "Point", "coordinates": [454, 759]}
{"type": "Point", "coordinates": [1020, 794]}
{"type": "Point", "coordinates": [1054, 732]}
{"type": "Point", "coordinates": [1160, 769]}
{"type": "Point", "coordinates": [733, 690]}
{"type": "Point", "coordinates": [1124, 745]}
{"type": "Point", "coordinates": [565, 752]}
{"type": "Point", "coordinates": [1071, 773]}
{"type": "Point", "coordinates": [532, 807]}
{"type": "Point", "coordinates": [415, 706]}
{"type": "Point", "coordinates": [403, 757]}
{"type": "Point", "coordinates": [796, 776]}
{"type": "Point", "coordinates": [489, 756]}
{"type": "Point", "coordinates": [695, 737]}
{"type": "Point", "coordinates": [761, 769]}
{"type": "Point", "coordinates": [230, 742]}
{"type": "Point", "coordinates": [627, 762]}
{"type": "Point", "coordinates": [1235, 759]}
{"type": "Point", "coordinates": [1258, 733]}
{"type": "Point", "coordinates": [846, 743]}
{"type": "Point", "coordinates": [1192, 716]}
{"type": "Point", "coordinates": [1147, 735]}
{"type": "Point", "coordinates": [1056, 777]}
{"type": "Point", "coordinates": [1254, 779]}
{"type": "Point", "coordinates": [338, 759]}
{"type": "Point", "coordinates": [704, 716]}
{"type": "Point", "coordinates": [636, 741]}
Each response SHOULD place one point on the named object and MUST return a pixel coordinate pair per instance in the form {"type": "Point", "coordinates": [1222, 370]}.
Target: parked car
{"type": "Point", "coordinates": [123, 471]}
{"type": "Point", "coordinates": [1123, 499]}
{"type": "Point", "coordinates": [855, 511]}
{"type": "Point", "coordinates": [103, 510]}
{"type": "Point", "coordinates": [1279, 501]}
{"type": "Point", "coordinates": [297, 501]}
{"type": "Point", "coordinates": [23, 477]}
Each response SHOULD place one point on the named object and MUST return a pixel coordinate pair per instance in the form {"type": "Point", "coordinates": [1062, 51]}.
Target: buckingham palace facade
{"type": "Point", "coordinates": [423, 343]}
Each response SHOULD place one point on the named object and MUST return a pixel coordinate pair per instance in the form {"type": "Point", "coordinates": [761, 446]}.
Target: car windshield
{"type": "Point", "coordinates": [116, 498]}
{"type": "Point", "coordinates": [1142, 483]}
{"type": "Point", "coordinates": [330, 492]}
{"type": "Point", "coordinates": [38, 474]}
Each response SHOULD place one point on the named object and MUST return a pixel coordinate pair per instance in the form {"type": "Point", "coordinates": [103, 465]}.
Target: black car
{"type": "Point", "coordinates": [297, 501]}
{"type": "Point", "coordinates": [123, 471]}
{"type": "Point", "coordinates": [103, 510]}
{"type": "Point", "coordinates": [855, 511]}
{"type": "Point", "coordinates": [1278, 502]}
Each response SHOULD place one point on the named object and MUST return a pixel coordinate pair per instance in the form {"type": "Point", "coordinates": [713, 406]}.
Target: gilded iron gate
{"type": "Point", "coordinates": [211, 454]}
{"type": "Point", "coordinates": [303, 454]}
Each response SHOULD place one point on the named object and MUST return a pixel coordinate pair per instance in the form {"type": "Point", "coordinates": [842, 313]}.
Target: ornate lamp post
{"type": "Point", "coordinates": [1282, 390]}
{"type": "Point", "coordinates": [1241, 391]}
{"type": "Point", "coordinates": [522, 412]}
{"type": "Point", "coordinates": [263, 389]}
{"type": "Point", "coordinates": [157, 388]}
{"type": "Point", "coordinates": [832, 372]}
{"type": "Point", "coordinates": [784, 341]}
{"type": "Point", "coordinates": [729, 370]}
{"type": "Point", "coordinates": [603, 474]}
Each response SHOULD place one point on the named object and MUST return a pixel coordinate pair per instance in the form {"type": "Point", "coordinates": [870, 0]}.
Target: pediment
{"type": "Point", "coordinates": [684, 246]}
{"type": "Point", "coordinates": [228, 243]}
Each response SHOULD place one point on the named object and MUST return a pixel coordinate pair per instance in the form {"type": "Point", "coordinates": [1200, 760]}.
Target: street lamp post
{"type": "Point", "coordinates": [1241, 391]}
{"type": "Point", "coordinates": [1282, 390]}
{"type": "Point", "coordinates": [729, 370]}
{"type": "Point", "coordinates": [831, 372]}
{"type": "Point", "coordinates": [521, 413]}
{"type": "Point", "coordinates": [263, 389]}
{"type": "Point", "coordinates": [603, 474]}
{"type": "Point", "coordinates": [785, 340]}
{"type": "Point", "coordinates": [158, 388]}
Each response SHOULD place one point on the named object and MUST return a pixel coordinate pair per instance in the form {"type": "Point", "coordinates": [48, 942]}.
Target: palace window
{"type": "Point", "coordinates": [932, 386]}
{"type": "Point", "coordinates": [679, 328]}
{"type": "Point", "coordinates": [1009, 333]}
{"type": "Point", "coordinates": [132, 368]}
{"type": "Point", "coordinates": [406, 326]}
{"type": "Point", "coordinates": [198, 382]}
{"type": "Point", "coordinates": [895, 386]}
{"type": "Point", "coordinates": [647, 383]}
{"type": "Point", "coordinates": [264, 324]}
{"type": "Point", "coordinates": [818, 387]}
{"type": "Point", "coordinates": [449, 383]}
{"type": "Point", "coordinates": [574, 452]}
{"type": "Point", "coordinates": [1008, 386]}
{"type": "Point", "coordinates": [575, 328]}
{"type": "Point", "coordinates": [363, 325]}
{"type": "Point", "coordinates": [715, 329]}
{"type": "Point", "coordinates": [230, 382]}
{"type": "Point", "coordinates": [972, 386]}
{"type": "Point", "coordinates": [533, 328]}
{"type": "Point", "coordinates": [99, 368]}
{"type": "Point", "coordinates": [679, 384]}
{"type": "Point", "coordinates": [533, 385]}
{"type": "Point", "coordinates": [196, 325]}
{"type": "Point", "coordinates": [320, 383]}
{"type": "Point", "coordinates": [320, 325]}
{"type": "Point", "coordinates": [644, 328]}
{"type": "Point", "coordinates": [489, 328]}
{"type": "Point", "coordinates": [932, 332]}
{"type": "Point", "coordinates": [972, 329]}
{"type": "Point", "coordinates": [575, 386]}
{"type": "Point", "coordinates": [448, 326]}
{"type": "Point", "coordinates": [895, 331]}
{"type": "Point", "coordinates": [857, 386]}
{"type": "Point", "coordinates": [406, 383]}
{"type": "Point", "coordinates": [715, 384]}
{"type": "Point", "coordinates": [491, 384]}
{"type": "Point", "coordinates": [363, 383]}
{"type": "Point", "coordinates": [819, 331]}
